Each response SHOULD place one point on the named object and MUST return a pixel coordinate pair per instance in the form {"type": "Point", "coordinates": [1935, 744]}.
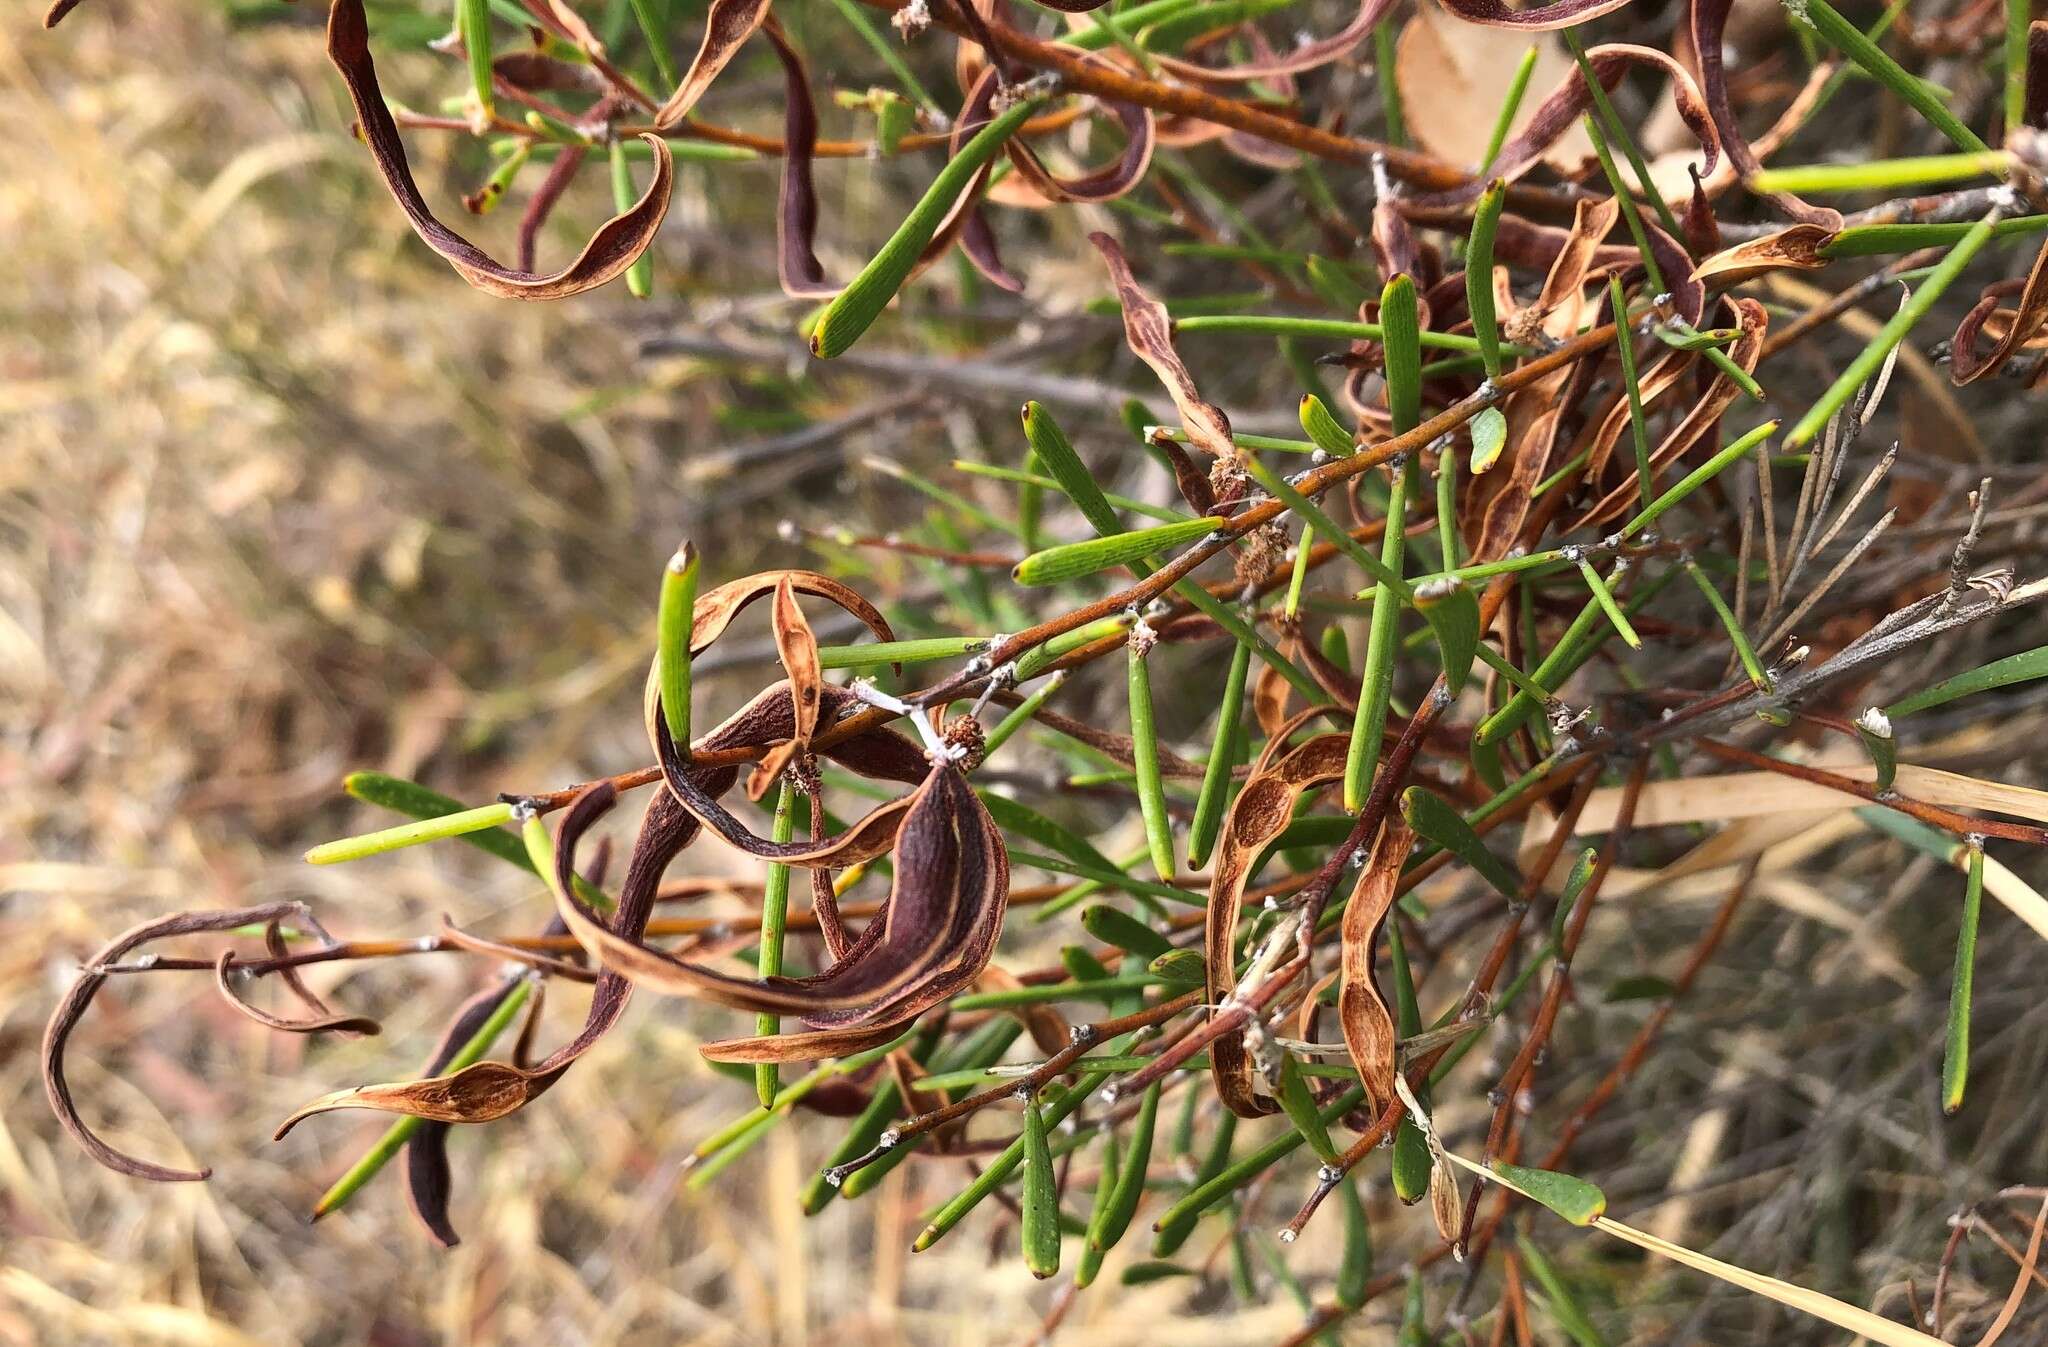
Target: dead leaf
{"type": "Point", "coordinates": [1362, 1010]}
{"type": "Point", "coordinates": [1452, 75]}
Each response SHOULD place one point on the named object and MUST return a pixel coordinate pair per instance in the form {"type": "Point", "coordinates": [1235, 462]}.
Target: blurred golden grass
{"type": "Point", "coordinates": [279, 497]}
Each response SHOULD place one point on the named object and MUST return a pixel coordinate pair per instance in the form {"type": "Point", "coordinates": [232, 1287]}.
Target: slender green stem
{"type": "Point", "coordinates": [774, 921]}
{"type": "Point", "coordinates": [1504, 120]}
{"type": "Point", "coordinates": [1603, 108]}
{"type": "Point", "coordinates": [1639, 431]}
{"type": "Point", "coordinates": [1145, 757]}
{"type": "Point", "coordinates": [649, 15]}
{"type": "Point", "coordinates": [1744, 651]}
{"type": "Point", "coordinates": [1848, 39]}
{"type": "Point", "coordinates": [1872, 357]}
{"type": "Point", "coordinates": [856, 18]}
{"type": "Point", "coordinates": [1604, 596]}
{"type": "Point", "coordinates": [1282, 325]}
{"type": "Point", "coordinates": [1883, 174]}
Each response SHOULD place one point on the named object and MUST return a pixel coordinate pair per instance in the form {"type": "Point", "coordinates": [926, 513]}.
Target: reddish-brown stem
{"type": "Point", "coordinates": [1085, 1037]}
{"type": "Point", "coordinates": [1949, 819]}
{"type": "Point", "coordinates": [1538, 1038]}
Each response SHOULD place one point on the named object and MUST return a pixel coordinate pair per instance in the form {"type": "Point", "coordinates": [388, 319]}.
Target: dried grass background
{"type": "Point", "coordinates": [278, 497]}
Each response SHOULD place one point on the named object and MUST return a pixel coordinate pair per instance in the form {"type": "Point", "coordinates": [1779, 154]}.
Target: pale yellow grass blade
{"type": "Point", "coordinates": [1734, 795]}
{"type": "Point", "coordinates": [1840, 1313]}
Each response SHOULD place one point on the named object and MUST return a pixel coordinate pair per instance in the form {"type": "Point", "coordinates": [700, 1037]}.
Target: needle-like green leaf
{"type": "Point", "coordinates": [1112, 1219]}
{"type": "Point", "coordinates": [1300, 1108]}
{"type": "Point", "coordinates": [640, 275]}
{"type": "Point", "coordinates": [1479, 277]}
{"type": "Point", "coordinates": [1744, 651]}
{"type": "Point", "coordinates": [774, 921]}
{"type": "Point", "coordinates": [1432, 818]}
{"type": "Point", "coordinates": [1068, 561]}
{"type": "Point", "coordinates": [1848, 39]}
{"type": "Point", "coordinates": [1569, 1196]}
{"type": "Point", "coordinates": [860, 303]}
{"type": "Point", "coordinates": [1879, 348]}
{"type": "Point", "coordinates": [1215, 795]}
{"type": "Point", "coordinates": [1041, 1200]}
{"type": "Point", "coordinates": [1145, 757]}
{"type": "Point", "coordinates": [1400, 317]}
{"type": "Point", "coordinates": [2021, 668]}
{"type": "Point", "coordinates": [1604, 596]}
{"type": "Point", "coordinates": [456, 824]}
{"type": "Point", "coordinates": [1323, 428]}
{"type": "Point", "coordinates": [1955, 1057]}
{"type": "Point", "coordinates": [672, 641]}
{"type": "Point", "coordinates": [473, 25]}
{"type": "Point", "coordinates": [1354, 1265]}
{"type": "Point", "coordinates": [1113, 926]}
{"type": "Point", "coordinates": [1055, 453]}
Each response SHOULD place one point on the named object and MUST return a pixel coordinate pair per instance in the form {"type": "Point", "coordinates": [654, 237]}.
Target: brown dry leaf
{"type": "Point", "coordinates": [1362, 1009]}
{"type": "Point", "coordinates": [698, 792]}
{"type": "Point", "coordinates": [323, 1021]}
{"type": "Point", "coordinates": [1270, 692]}
{"type": "Point", "coordinates": [727, 26]}
{"type": "Point", "coordinates": [1700, 421]}
{"type": "Point", "coordinates": [1708, 21]}
{"type": "Point", "coordinates": [78, 999]}
{"type": "Point", "coordinates": [1446, 1203]}
{"type": "Point", "coordinates": [1304, 56]}
{"type": "Point", "coordinates": [481, 1093]}
{"type": "Point", "coordinates": [1261, 811]}
{"type": "Point", "coordinates": [1451, 76]}
{"type": "Point", "coordinates": [1668, 169]}
{"type": "Point", "coordinates": [429, 1182]}
{"type": "Point", "coordinates": [1103, 183]}
{"type": "Point", "coordinates": [1562, 301]}
{"type": "Point", "coordinates": [715, 611]}
{"type": "Point", "coordinates": [1796, 248]}
{"type": "Point", "coordinates": [798, 648]}
{"type": "Point", "coordinates": [809, 1046]}
{"type": "Point", "coordinates": [573, 27]}
{"type": "Point", "coordinates": [934, 935]}
{"type": "Point", "coordinates": [616, 245]}
{"type": "Point", "coordinates": [1149, 331]}
{"type": "Point", "coordinates": [2021, 325]}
